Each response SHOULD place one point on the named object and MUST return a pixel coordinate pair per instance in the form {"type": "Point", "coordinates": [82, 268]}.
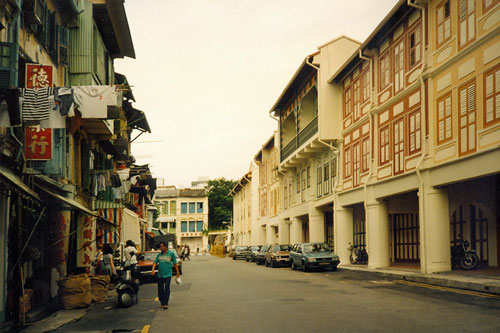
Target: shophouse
{"type": "Point", "coordinates": [309, 131]}
{"type": "Point", "coordinates": [420, 151]}
{"type": "Point", "coordinates": [245, 224]}
{"type": "Point", "coordinates": [184, 212]}
{"type": "Point", "coordinates": [65, 160]}
{"type": "Point", "coordinates": [268, 221]}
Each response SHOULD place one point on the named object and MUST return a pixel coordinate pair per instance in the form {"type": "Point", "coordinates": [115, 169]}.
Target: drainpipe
{"type": "Point", "coordinates": [423, 140]}
{"type": "Point", "coordinates": [370, 117]}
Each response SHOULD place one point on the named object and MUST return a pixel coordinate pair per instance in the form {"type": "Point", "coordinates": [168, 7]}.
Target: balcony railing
{"type": "Point", "coordinates": [307, 133]}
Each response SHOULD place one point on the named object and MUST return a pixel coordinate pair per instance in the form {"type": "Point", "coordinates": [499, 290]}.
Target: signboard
{"type": "Point", "coordinates": [38, 144]}
{"type": "Point", "coordinates": [38, 76]}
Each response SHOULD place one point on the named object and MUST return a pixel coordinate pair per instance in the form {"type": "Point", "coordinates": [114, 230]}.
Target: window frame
{"type": "Point", "coordinates": [384, 145]}
{"type": "Point", "coordinates": [416, 133]}
{"type": "Point", "coordinates": [383, 56]}
{"type": "Point", "coordinates": [365, 154]}
{"type": "Point", "coordinates": [443, 23]}
{"type": "Point", "coordinates": [400, 144]}
{"type": "Point", "coordinates": [347, 162]}
{"type": "Point", "coordinates": [469, 39]}
{"type": "Point", "coordinates": [495, 98]}
{"type": "Point", "coordinates": [467, 86]}
{"type": "Point", "coordinates": [444, 119]}
{"type": "Point", "coordinates": [399, 76]}
{"type": "Point", "coordinates": [487, 8]}
{"type": "Point", "coordinates": [417, 29]}
{"type": "Point", "coordinates": [184, 207]}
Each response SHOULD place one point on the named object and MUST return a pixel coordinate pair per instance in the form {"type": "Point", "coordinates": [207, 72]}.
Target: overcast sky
{"type": "Point", "coordinates": [207, 73]}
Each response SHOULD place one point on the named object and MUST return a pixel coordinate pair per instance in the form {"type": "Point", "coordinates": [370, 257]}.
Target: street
{"type": "Point", "coordinates": [223, 295]}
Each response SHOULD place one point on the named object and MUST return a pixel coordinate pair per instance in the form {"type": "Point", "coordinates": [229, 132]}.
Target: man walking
{"type": "Point", "coordinates": [164, 261]}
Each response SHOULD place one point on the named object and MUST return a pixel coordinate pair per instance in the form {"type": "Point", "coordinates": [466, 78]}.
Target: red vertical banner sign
{"type": "Point", "coordinates": [38, 144]}
{"type": "Point", "coordinates": [38, 76]}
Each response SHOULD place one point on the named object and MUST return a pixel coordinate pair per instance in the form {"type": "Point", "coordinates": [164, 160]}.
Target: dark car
{"type": "Point", "coordinates": [240, 252]}
{"type": "Point", "coordinates": [146, 259]}
{"type": "Point", "coordinates": [313, 255]}
{"type": "Point", "coordinates": [253, 252]}
{"type": "Point", "coordinates": [260, 257]}
{"type": "Point", "coordinates": [278, 255]}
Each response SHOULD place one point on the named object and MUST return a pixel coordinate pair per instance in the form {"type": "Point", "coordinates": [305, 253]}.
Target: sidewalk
{"type": "Point", "coordinates": [479, 280]}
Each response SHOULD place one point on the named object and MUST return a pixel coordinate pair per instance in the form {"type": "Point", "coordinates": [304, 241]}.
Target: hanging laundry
{"type": "Point", "coordinates": [93, 101]}
{"type": "Point", "coordinates": [9, 108]}
{"type": "Point", "coordinates": [64, 98]}
{"type": "Point", "coordinates": [55, 119]}
{"type": "Point", "coordinates": [35, 103]}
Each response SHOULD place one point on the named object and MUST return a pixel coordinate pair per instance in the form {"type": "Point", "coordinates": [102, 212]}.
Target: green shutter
{"type": "Point", "coordinates": [7, 61]}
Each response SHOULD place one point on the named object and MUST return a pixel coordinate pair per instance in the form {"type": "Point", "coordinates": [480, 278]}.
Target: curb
{"type": "Point", "coordinates": [491, 286]}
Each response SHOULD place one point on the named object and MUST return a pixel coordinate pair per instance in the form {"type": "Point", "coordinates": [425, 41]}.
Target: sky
{"type": "Point", "coordinates": [207, 73]}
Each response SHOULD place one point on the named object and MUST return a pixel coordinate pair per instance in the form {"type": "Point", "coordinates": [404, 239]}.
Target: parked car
{"type": "Point", "coordinates": [313, 255]}
{"type": "Point", "coordinates": [240, 252]}
{"type": "Point", "coordinates": [260, 257]}
{"type": "Point", "coordinates": [253, 252]}
{"type": "Point", "coordinates": [278, 255]}
{"type": "Point", "coordinates": [146, 259]}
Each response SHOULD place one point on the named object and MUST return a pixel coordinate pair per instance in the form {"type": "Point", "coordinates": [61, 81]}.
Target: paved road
{"type": "Point", "coordinates": [222, 295]}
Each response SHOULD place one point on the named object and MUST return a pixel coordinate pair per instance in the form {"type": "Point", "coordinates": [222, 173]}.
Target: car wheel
{"type": "Point", "coordinates": [304, 266]}
{"type": "Point", "coordinates": [234, 258]}
{"type": "Point", "coordinates": [334, 268]}
{"type": "Point", "coordinates": [273, 264]}
{"type": "Point", "coordinates": [293, 266]}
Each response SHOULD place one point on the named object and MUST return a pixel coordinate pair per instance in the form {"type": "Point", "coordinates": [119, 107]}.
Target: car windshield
{"type": "Point", "coordinates": [241, 248]}
{"type": "Point", "coordinates": [150, 255]}
{"type": "Point", "coordinates": [316, 248]}
{"type": "Point", "coordinates": [284, 247]}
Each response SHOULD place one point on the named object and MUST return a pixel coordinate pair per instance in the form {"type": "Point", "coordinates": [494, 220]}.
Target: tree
{"type": "Point", "coordinates": [220, 203]}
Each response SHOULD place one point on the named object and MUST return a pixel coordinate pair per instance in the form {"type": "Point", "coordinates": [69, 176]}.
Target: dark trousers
{"type": "Point", "coordinates": [164, 290]}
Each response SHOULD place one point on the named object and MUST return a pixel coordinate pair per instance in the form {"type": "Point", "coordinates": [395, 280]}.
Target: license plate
{"type": "Point", "coordinates": [323, 263]}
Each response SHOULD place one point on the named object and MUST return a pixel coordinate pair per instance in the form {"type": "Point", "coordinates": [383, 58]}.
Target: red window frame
{"type": "Point", "coordinates": [384, 141]}
{"type": "Point", "coordinates": [347, 163]}
{"type": "Point", "coordinates": [415, 46]}
{"type": "Point", "coordinates": [347, 102]}
{"type": "Point", "coordinates": [356, 163]}
{"type": "Point", "coordinates": [385, 70]}
{"type": "Point", "coordinates": [365, 85]}
{"type": "Point", "coordinates": [398, 145]}
{"type": "Point", "coordinates": [414, 132]}
{"type": "Point", "coordinates": [398, 75]}
{"type": "Point", "coordinates": [356, 99]}
{"type": "Point", "coordinates": [365, 154]}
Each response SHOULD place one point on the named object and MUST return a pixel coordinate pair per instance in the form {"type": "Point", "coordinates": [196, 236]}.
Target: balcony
{"type": "Point", "coordinates": [307, 133]}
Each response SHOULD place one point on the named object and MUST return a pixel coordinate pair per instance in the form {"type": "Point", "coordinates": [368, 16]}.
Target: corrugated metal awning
{"type": "Point", "coordinates": [69, 202]}
{"type": "Point", "coordinates": [16, 180]}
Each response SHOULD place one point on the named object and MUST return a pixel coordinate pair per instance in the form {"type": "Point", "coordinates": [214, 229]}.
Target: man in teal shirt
{"type": "Point", "coordinates": [164, 261]}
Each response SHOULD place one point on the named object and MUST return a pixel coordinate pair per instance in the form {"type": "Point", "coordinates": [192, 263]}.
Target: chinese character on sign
{"type": "Point", "coordinates": [38, 144]}
{"type": "Point", "coordinates": [38, 76]}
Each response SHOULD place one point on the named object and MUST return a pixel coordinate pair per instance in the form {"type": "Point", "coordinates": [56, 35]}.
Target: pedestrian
{"type": "Point", "coordinates": [109, 266]}
{"type": "Point", "coordinates": [183, 252]}
{"type": "Point", "coordinates": [130, 254]}
{"type": "Point", "coordinates": [97, 264]}
{"type": "Point", "coordinates": [164, 261]}
{"type": "Point", "coordinates": [188, 252]}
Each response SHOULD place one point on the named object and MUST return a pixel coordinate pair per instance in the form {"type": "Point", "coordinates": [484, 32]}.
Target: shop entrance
{"type": "Point", "coordinates": [470, 223]}
{"type": "Point", "coordinates": [405, 243]}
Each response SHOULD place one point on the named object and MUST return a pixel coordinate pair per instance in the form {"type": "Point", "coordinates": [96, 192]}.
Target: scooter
{"type": "Point", "coordinates": [358, 254]}
{"type": "Point", "coordinates": [128, 288]}
{"type": "Point", "coordinates": [467, 259]}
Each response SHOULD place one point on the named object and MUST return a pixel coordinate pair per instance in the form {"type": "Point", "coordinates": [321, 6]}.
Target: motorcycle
{"type": "Point", "coordinates": [358, 254]}
{"type": "Point", "coordinates": [128, 288]}
{"type": "Point", "coordinates": [460, 256]}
